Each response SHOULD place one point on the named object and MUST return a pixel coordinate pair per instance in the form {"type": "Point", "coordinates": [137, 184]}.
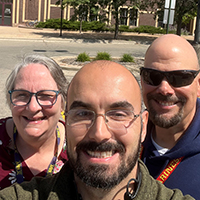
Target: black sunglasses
{"type": "Point", "coordinates": [177, 78]}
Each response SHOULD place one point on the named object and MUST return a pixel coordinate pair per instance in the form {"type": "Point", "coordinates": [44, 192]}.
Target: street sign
{"type": "Point", "coordinates": [173, 3]}
{"type": "Point", "coordinates": [171, 16]}
{"type": "Point", "coordinates": [169, 11]}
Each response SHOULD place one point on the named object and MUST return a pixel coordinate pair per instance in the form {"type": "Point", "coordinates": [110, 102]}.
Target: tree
{"type": "Point", "coordinates": [62, 6]}
{"type": "Point", "coordinates": [115, 5]}
{"type": "Point", "coordinates": [183, 8]}
{"type": "Point", "coordinates": [80, 8]}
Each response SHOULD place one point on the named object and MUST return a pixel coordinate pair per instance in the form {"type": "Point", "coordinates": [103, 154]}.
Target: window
{"type": "Point", "coordinates": [133, 17]}
{"type": "Point", "coordinates": [94, 13]}
{"type": "Point", "coordinates": [123, 16]}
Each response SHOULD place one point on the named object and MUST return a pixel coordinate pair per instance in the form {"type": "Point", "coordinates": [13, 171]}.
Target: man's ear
{"type": "Point", "coordinates": [198, 89]}
{"type": "Point", "coordinates": [145, 116]}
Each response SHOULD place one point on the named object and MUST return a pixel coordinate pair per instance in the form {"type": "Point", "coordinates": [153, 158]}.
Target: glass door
{"type": "Point", "coordinates": [5, 14]}
{"type": "Point", "coordinates": [0, 13]}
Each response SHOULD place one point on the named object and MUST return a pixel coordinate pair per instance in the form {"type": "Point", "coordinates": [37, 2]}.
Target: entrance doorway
{"type": "Point", "coordinates": [5, 13]}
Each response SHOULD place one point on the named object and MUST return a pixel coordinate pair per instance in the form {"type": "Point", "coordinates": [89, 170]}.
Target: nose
{"type": "Point", "coordinates": [99, 130]}
{"type": "Point", "coordinates": [33, 105]}
{"type": "Point", "coordinates": [165, 88]}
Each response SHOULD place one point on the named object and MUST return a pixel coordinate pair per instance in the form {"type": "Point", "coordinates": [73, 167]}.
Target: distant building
{"type": "Point", "coordinates": [15, 12]}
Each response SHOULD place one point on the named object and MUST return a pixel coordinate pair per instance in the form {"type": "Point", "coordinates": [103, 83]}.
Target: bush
{"type": "Point", "coordinates": [124, 28]}
{"type": "Point", "coordinates": [127, 58]}
{"type": "Point", "coordinates": [73, 25]}
{"type": "Point", "coordinates": [83, 57]}
{"type": "Point", "coordinates": [149, 29]}
{"type": "Point", "coordinates": [96, 26]}
{"type": "Point", "coordinates": [102, 56]}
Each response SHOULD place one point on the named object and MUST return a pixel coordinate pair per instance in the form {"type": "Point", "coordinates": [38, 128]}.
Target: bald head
{"type": "Point", "coordinates": [104, 79]}
{"type": "Point", "coordinates": [168, 49]}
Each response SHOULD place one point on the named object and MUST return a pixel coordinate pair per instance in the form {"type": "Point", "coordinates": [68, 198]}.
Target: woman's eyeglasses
{"type": "Point", "coordinates": [177, 78]}
{"type": "Point", "coordinates": [43, 97]}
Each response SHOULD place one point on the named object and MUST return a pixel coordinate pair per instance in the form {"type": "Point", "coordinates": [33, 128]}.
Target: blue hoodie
{"type": "Point", "coordinates": [186, 176]}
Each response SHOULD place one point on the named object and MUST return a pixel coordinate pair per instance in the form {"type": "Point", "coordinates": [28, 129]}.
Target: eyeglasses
{"type": "Point", "coordinates": [43, 97]}
{"type": "Point", "coordinates": [177, 78]}
{"type": "Point", "coordinates": [116, 120]}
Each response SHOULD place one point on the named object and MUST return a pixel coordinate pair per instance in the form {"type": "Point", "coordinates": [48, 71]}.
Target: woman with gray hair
{"type": "Point", "coordinates": [32, 141]}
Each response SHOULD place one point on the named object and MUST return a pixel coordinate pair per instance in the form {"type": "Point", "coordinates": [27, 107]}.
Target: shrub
{"type": "Point", "coordinates": [73, 25]}
{"type": "Point", "coordinates": [127, 58]}
{"type": "Point", "coordinates": [149, 29]}
{"type": "Point", "coordinates": [123, 28]}
{"type": "Point", "coordinates": [83, 57]}
{"type": "Point", "coordinates": [102, 56]}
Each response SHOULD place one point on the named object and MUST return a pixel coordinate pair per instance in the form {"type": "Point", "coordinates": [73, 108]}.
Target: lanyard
{"type": "Point", "coordinates": [172, 165]}
{"type": "Point", "coordinates": [18, 163]}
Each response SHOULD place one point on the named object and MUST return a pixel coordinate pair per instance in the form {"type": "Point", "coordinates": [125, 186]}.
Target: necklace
{"type": "Point", "coordinates": [18, 162]}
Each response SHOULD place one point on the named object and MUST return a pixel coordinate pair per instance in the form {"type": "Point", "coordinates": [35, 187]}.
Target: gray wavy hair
{"type": "Point", "coordinates": [49, 63]}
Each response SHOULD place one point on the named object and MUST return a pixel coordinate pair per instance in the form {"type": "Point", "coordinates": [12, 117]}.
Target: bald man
{"type": "Point", "coordinates": [170, 81]}
{"type": "Point", "coordinates": [105, 125]}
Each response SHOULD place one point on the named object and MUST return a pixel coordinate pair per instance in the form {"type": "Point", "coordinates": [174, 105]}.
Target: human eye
{"type": "Point", "coordinates": [20, 95]}
{"type": "Point", "coordinates": [46, 95]}
{"type": "Point", "coordinates": [83, 114]}
{"type": "Point", "coordinates": [119, 115]}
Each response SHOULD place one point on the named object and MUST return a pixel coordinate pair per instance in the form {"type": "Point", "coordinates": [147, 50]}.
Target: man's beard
{"type": "Point", "coordinates": [101, 175]}
{"type": "Point", "coordinates": [159, 119]}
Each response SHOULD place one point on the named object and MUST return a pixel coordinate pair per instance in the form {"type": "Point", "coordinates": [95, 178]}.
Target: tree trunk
{"type": "Point", "coordinates": [116, 23]}
{"type": "Point", "coordinates": [80, 30]}
{"type": "Point", "coordinates": [179, 25]}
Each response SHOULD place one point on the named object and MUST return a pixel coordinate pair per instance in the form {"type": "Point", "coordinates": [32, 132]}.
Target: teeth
{"type": "Point", "coordinates": [166, 103]}
{"type": "Point", "coordinates": [34, 119]}
{"type": "Point", "coordinates": [98, 154]}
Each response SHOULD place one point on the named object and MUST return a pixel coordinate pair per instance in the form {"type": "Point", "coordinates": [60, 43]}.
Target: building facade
{"type": "Point", "coordinates": [15, 12]}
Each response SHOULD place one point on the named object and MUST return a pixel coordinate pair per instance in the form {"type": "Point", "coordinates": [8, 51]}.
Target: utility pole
{"type": "Point", "coordinates": [196, 36]}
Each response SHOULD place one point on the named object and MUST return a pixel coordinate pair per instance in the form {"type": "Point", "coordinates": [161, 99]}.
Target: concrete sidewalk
{"type": "Point", "coordinates": [22, 32]}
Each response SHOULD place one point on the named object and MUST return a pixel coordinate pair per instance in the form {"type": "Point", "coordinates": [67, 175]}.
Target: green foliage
{"type": "Point", "coordinates": [127, 58]}
{"type": "Point", "coordinates": [50, 23]}
{"type": "Point", "coordinates": [149, 29]}
{"type": "Point", "coordinates": [187, 17]}
{"type": "Point", "coordinates": [124, 28]}
{"type": "Point", "coordinates": [83, 57]}
{"type": "Point", "coordinates": [182, 7]}
{"type": "Point", "coordinates": [97, 26]}
{"type": "Point", "coordinates": [102, 56]}
{"type": "Point", "coordinates": [73, 25]}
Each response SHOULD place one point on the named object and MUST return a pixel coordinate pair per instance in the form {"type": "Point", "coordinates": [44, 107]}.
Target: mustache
{"type": "Point", "coordinates": [103, 146]}
{"type": "Point", "coordinates": [160, 97]}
